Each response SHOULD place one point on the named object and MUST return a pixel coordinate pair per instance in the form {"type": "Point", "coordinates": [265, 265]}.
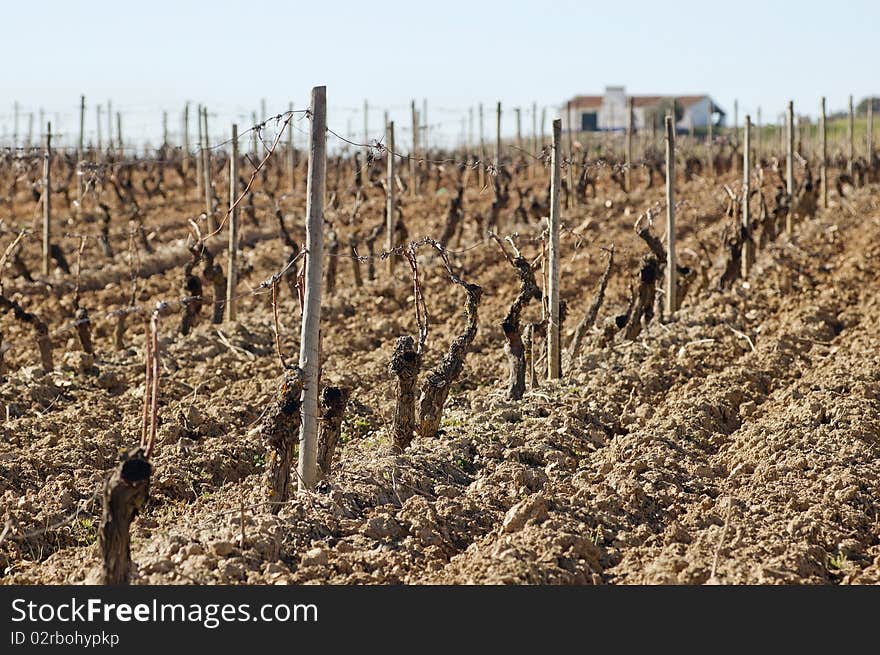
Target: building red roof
{"type": "Point", "coordinates": [595, 102]}
{"type": "Point", "coordinates": [586, 102]}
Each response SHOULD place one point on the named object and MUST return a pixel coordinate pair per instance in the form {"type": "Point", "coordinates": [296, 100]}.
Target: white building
{"type": "Point", "coordinates": [608, 112]}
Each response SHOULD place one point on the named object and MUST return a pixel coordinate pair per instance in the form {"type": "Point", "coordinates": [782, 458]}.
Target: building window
{"type": "Point", "coordinates": [588, 121]}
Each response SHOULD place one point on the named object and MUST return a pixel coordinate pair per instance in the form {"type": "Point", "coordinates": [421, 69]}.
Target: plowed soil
{"type": "Point", "coordinates": [738, 443]}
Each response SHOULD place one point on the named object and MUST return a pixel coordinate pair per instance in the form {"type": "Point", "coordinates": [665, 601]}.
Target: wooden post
{"type": "Point", "coordinates": [736, 117]}
{"type": "Point", "coordinates": [789, 153]}
{"type": "Point", "coordinates": [109, 126]}
{"type": "Point", "coordinates": [185, 137]}
{"type": "Point", "coordinates": [710, 145]}
{"type": "Point", "coordinates": [630, 118]}
{"type": "Point", "coordinates": [366, 131]}
{"type": "Point", "coordinates": [164, 131]}
{"type": "Point", "coordinates": [482, 150]}
{"type": "Point", "coordinates": [389, 199]}
{"type": "Point", "coordinates": [553, 338]}
{"type": "Point", "coordinates": [823, 163]}
{"type": "Point", "coordinates": [519, 142]}
{"type": "Point", "coordinates": [200, 158]}
{"type": "Point", "coordinates": [758, 139]}
{"type": "Point", "coordinates": [47, 200]}
{"type": "Point", "coordinates": [206, 170]}
{"type": "Point", "coordinates": [498, 138]}
{"type": "Point", "coordinates": [535, 129]}
{"type": "Point", "coordinates": [15, 125]}
{"type": "Point", "coordinates": [309, 352]}
{"type": "Point", "coordinates": [413, 187]}
{"type": "Point", "coordinates": [851, 139]}
{"type": "Point", "coordinates": [543, 123]}
{"type": "Point", "coordinates": [747, 253]}
{"type": "Point", "coordinates": [423, 126]}
{"type": "Point", "coordinates": [82, 125]}
{"type": "Point", "coordinates": [254, 146]}
{"type": "Point", "coordinates": [570, 170]}
{"type": "Point", "coordinates": [671, 265]}
{"type": "Point", "coordinates": [291, 151]}
{"type": "Point", "coordinates": [119, 143]}
{"type": "Point", "coordinates": [80, 152]}
{"type": "Point", "coordinates": [232, 276]}
{"type": "Point", "coordinates": [98, 138]}
{"type": "Point", "coordinates": [870, 132]}
{"type": "Point", "coordinates": [532, 162]}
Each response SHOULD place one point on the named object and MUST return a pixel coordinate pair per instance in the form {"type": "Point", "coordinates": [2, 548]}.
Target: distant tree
{"type": "Point", "coordinates": [862, 107]}
{"type": "Point", "coordinates": [664, 108]}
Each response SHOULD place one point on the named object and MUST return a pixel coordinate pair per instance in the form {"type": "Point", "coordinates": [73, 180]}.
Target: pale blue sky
{"type": "Point", "coordinates": [150, 56]}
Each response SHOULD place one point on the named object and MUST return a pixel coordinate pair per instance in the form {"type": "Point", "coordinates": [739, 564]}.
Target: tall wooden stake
{"type": "Point", "coordinates": [535, 128]}
{"type": "Point", "coordinates": [543, 123]}
{"type": "Point", "coordinates": [254, 137]}
{"type": "Point", "coordinates": [671, 304]}
{"type": "Point", "coordinates": [47, 200]}
{"type": "Point", "coordinates": [206, 170]}
{"type": "Point", "coordinates": [98, 121]}
{"type": "Point", "coordinates": [109, 126]}
{"type": "Point", "coordinates": [232, 277]}
{"type": "Point", "coordinates": [389, 197]}
{"type": "Point", "coordinates": [414, 183]}
{"type": "Point", "coordinates": [119, 143]}
{"type": "Point", "coordinates": [366, 131]}
{"type": "Point", "coordinates": [519, 141]}
{"type": "Point", "coordinates": [570, 168]}
{"type": "Point", "coordinates": [759, 140]}
{"type": "Point", "coordinates": [789, 164]}
{"type": "Point", "coordinates": [15, 125]}
{"type": "Point", "coordinates": [80, 153]}
{"type": "Point", "coordinates": [554, 358]}
{"type": "Point", "coordinates": [823, 164]}
{"type": "Point", "coordinates": [735, 117]}
{"type": "Point", "coordinates": [309, 353]}
{"type": "Point", "coordinates": [870, 132]}
{"type": "Point", "coordinates": [710, 145]}
{"type": "Point", "coordinates": [200, 157]}
{"type": "Point", "coordinates": [291, 152]}
{"type": "Point", "coordinates": [851, 139]}
{"type": "Point", "coordinates": [423, 126]}
{"type": "Point", "coordinates": [186, 138]}
{"type": "Point", "coordinates": [630, 119]}
{"type": "Point", "coordinates": [482, 168]}
{"type": "Point", "coordinates": [498, 138]}
{"type": "Point", "coordinates": [747, 252]}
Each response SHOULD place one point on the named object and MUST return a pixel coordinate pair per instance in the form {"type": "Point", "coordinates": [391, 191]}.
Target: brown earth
{"type": "Point", "coordinates": [738, 443]}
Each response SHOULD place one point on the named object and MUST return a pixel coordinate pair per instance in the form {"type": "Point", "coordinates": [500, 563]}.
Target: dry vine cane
{"type": "Point", "coordinates": [406, 359]}
{"type": "Point", "coordinates": [81, 316]}
{"type": "Point", "coordinates": [589, 319]}
{"type": "Point", "coordinates": [435, 390]}
{"type": "Point", "coordinates": [511, 325]}
{"type": "Point", "coordinates": [406, 362]}
{"type": "Point", "coordinates": [127, 489]}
